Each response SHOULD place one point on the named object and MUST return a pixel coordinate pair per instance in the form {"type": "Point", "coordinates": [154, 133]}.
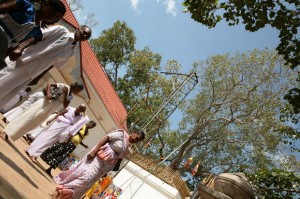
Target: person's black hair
{"type": "Point", "coordinates": [58, 6]}
{"type": "Point", "coordinates": [93, 122]}
{"type": "Point", "coordinates": [28, 89]}
{"type": "Point", "coordinates": [141, 134]}
{"type": "Point", "coordinates": [45, 24]}
{"type": "Point", "coordinates": [77, 85]}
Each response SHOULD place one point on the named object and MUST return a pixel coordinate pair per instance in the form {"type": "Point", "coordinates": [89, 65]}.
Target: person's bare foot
{"type": "Point", "coordinates": [4, 136]}
{"type": "Point", "coordinates": [33, 159]}
{"type": "Point", "coordinates": [53, 195]}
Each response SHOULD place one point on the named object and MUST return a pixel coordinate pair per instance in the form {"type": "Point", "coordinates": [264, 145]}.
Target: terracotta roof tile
{"type": "Point", "coordinates": [69, 16]}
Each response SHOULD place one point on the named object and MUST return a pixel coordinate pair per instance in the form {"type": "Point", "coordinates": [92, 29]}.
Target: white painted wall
{"type": "Point", "coordinates": [138, 183]}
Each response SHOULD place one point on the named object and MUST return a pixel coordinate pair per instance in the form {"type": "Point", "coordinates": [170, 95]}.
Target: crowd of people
{"type": "Point", "coordinates": [30, 45]}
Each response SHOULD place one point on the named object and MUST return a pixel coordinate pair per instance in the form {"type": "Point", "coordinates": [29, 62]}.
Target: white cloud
{"type": "Point", "coordinates": [171, 7]}
{"type": "Point", "coordinates": [134, 5]}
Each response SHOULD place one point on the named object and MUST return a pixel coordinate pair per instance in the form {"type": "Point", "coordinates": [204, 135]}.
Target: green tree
{"type": "Point", "coordinates": [231, 123]}
{"type": "Point", "coordinates": [283, 15]}
{"type": "Point", "coordinates": [143, 88]}
{"type": "Point", "coordinates": [113, 48]}
{"type": "Point", "coordinates": [275, 183]}
{"type": "Point", "coordinates": [137, 83]}
{"type": "Point", "coordinates": [293, 98]}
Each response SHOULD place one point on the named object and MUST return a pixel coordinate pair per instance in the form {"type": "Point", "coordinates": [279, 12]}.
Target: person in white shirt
{"type": "Point", "coordinates": [22, 93]}
{"type": "Point", "coordinates": [54, 95]}
{"type": "Point", "coordinates": [55, 49]}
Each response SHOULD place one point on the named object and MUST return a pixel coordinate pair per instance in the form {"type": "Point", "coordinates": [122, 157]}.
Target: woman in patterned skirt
{"type": "Point", "coordinates": [54, 155]}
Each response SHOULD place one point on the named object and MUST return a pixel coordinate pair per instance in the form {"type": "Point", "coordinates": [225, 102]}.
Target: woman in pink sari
{"type": "Point", "coordinates": [74, 183]}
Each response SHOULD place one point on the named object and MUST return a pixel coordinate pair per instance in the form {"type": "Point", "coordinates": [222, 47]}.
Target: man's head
{"type": "Point", "coordinates": [83, 33]}
{"type": "Point", "coordinates": [81, 108]}
{"type": "Point", "coordinates": [51, 11]}
{"type": "Point", "coordinates": [76, 87]}
{"type": "Point", "coordinates": [136, 136]}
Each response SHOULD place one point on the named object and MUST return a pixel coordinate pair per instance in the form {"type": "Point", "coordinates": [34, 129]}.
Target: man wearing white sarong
{"type": "Point", "coordinates": [8, 69]}
{"type": "Point", "coordinates": [55, 49]}
{"type": "Point", "coordinates": [68, 122]}
{"type": "Point", "coordinates": [14, 113]}
{"type": "Point", "coordinates": [55, 95]}
{"type": "Point", "coordinates": [22, 93]}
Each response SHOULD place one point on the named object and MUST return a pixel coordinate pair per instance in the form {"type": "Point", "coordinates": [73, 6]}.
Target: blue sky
{"type": "Point", "coordinates": [161, 25]}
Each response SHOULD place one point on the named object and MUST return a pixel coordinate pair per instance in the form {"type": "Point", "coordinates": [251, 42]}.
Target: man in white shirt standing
{"type": "Point", "coordinates": [55, 50]}
{"type": "Point", "coordinates": [22, 93]}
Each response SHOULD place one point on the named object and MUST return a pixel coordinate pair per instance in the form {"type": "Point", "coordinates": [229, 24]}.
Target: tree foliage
{"type": "Point", "coordinates": [137, 83]}
{"type": "Point", "coordinates": [275, 183]}
{"type": "Point", "coordinates": [231, 123]}
{"type": "Point", "coordinates": [143, 89]}
{"type": "Point", "coordinates": [293, 98]}
{"type": "Point", "coordinates": [283, 15]}
{"type": "Point", "coordinates": [113, 48]}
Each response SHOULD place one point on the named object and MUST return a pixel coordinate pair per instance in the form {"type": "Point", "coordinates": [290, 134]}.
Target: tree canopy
{"type": "Point", "coordinates": [283, 15]}
{"type": "Point", "coordinates": [275, 183]}
{"type": "Point", "coordinates": [232, 123]}
{"type": "Point", "coordinates": [113, 48]}
{"type": "Point", "coordinates": [293, 97]}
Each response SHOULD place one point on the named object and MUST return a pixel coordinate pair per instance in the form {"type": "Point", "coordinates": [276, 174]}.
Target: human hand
{"type": "Point", "coordinates": [48, 96]}
{"type": "Point", "coordinates": [65, 89]}
{"type": "Point", "coordinates": [89, 157]}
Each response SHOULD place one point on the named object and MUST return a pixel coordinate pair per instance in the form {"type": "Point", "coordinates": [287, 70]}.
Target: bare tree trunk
{"type": "Point", "coordinates": [176, 161]}
{"type": "Point", "coordinates": [116, 77]}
